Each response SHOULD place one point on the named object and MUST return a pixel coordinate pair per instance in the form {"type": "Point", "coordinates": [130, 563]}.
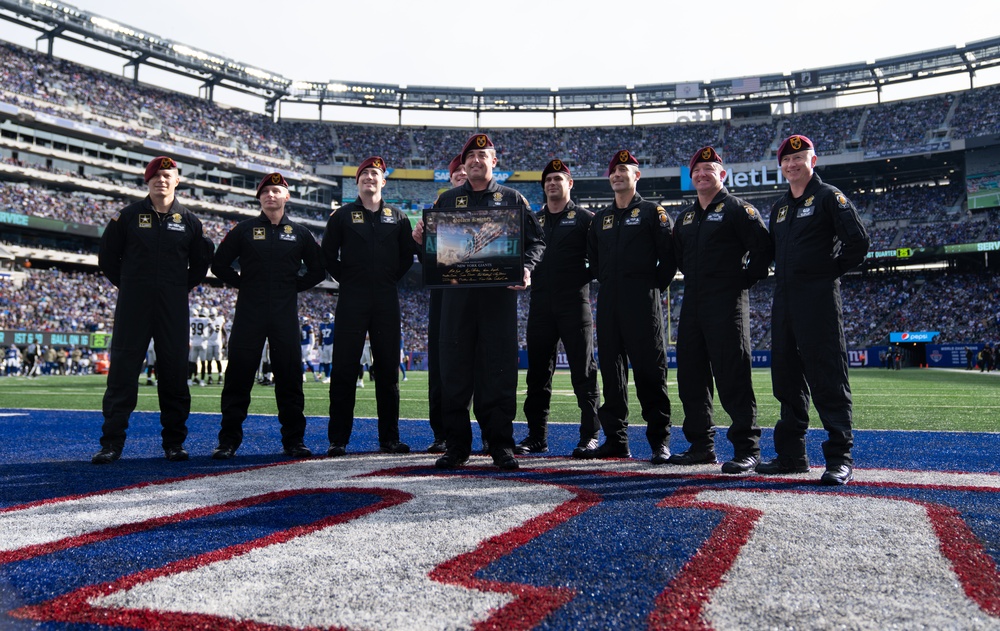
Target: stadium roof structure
{"type": "Point", "coordinates": [59, 20]}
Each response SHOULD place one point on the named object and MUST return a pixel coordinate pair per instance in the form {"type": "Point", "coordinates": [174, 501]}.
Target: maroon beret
{"type": "Point", "coordinates": [622, 157]}
{"type": "Point", "coordinates": [373, 161]}
{"type": "Point", "coordinates": [271, 179]}
{"type": "Point", "coordinates": [454, 165]}
{"type": "Point", "coordinates": [555, 166]}
{"type": "Point", "coordinates": [477, 141]}
{"type": "Point", "coordinates": [794, 144]}
{"type": "Point", "coordinates": [705, 154]}
{"type": "Point", "coordinates": [159, 163]}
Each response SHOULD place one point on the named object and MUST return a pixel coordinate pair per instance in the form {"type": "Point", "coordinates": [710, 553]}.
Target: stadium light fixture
{"type": "Point", "coordinates": [111, 26]}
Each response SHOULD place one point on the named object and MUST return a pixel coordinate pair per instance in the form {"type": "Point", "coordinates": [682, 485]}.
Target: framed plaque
{"type": "Point", "coordinates": [473, 248]}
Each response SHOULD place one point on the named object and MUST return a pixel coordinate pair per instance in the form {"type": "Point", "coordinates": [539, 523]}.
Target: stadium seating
{"type": "Point", "coordinates": [913, 215]}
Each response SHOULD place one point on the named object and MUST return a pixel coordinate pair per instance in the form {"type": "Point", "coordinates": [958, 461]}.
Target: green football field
{"type": "Point", "coordinates": [916, 399]}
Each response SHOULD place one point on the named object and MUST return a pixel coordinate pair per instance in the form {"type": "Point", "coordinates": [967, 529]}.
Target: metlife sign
{"type": "Point", "coordinates": [756, 177]}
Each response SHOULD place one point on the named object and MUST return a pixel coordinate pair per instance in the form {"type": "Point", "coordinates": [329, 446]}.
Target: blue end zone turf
{"type": "Point", "coordinates": [387, 541]}
{"type": "Point", "coordinates": [65, 440]}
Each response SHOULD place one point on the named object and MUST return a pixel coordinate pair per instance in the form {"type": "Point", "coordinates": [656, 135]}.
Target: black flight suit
{"type": "Point", "coordinates": [270, 258]}
{"type": "Point", "coordinates": [560, 309]}
{"type": "Point", "coordinates": [478, 336]}
{"type": "Point", "coordinates": [367, 253]}
{"type": "Point", "coordinates": [816, 238]}
{"type": "Point", "coordinates": [631, 254]}
{"type": "Point", "coordinates": [153, 260]}
{"type": "Point", "coordinates": [722, 251]}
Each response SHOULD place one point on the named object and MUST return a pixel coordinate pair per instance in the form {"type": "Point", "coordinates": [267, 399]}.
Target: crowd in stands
{"type": "Point", "coordinates": [932, 235]}
{"type": "Point", "coordinates": [962, 306]}
{"type": "Point", "coordinates": [920, 203]}
{"type": "Point", "coordinates": [914, 216]}
{"type": "Point", "coordinates": [977, 113]}
{"type": "Point", "coordinates": [905, 123]}
{"type": "Point", "coordinates": [35, 81]}
{"type": "Point", "coordinates": [53, 300]}
{"type": "Point", "coordinates": [829, 130]}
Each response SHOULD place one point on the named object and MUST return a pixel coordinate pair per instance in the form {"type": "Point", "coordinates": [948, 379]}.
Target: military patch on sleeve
{"type": "Point", "coordinates": [751, 211]}
{"type": "Point", "coordinates": [841, 200]}
{"type": "Point", "coordinates": [662, 214]}
{"type": "Point", "coordinates": [115, 216]}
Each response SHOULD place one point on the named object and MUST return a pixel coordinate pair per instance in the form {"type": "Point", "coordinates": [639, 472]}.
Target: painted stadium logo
{"type": "Point", "coordinates": [312, 545]}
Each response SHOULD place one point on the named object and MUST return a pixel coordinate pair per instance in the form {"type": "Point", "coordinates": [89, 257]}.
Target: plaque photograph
{"type": "Point", "coordinates": [473, 248]}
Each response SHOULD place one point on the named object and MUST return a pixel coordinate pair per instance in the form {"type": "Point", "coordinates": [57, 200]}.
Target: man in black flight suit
{"type": "Point", "coordinates": [478, 335]}
{"type": "Point", "coordinates": [817, 237]}
{"type": "Point", "coordinates": [154, 252]}
{"type": "Point", "coordinates": [271, 251]}
{"type": "Point", "coordinates": [631, 253]}
{"type": "Point", "coordinates": [722, 248]}
{"type": "Point", "coordinates": [560, 309]}
{"type": "Point", "coordinates": [368, 247]}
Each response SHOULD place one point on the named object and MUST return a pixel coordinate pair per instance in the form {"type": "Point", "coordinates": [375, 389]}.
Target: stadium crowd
{"type": "Point", "coordinates": [60, 87]}
{"type": "Point", "coordinates": [912, 216]}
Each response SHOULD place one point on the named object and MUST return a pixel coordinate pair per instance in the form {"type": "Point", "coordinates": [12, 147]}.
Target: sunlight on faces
{"type": "Point", "coordinates": [163, 183]}
{"type": "Point", "coordinates": [624, 177]}
{"type": "Point", "coordinates": [797, 168]}
{"type": "Point", "coordinates": [479, 164]}
{"type": "Point", "coordinates": [371, 180]}
{"type": "Point", "coordinates": [707, 176]}
{"type": "Point", "coordinates": [273, 198]}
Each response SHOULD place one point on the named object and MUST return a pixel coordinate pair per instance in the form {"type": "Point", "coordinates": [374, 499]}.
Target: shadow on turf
{"type": "Point", "coordinates": [46, 453]}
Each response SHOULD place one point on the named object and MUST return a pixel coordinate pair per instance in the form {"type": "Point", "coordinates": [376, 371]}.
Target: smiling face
{"type": "Point", "coordinates": [707, 177]}
{"type": "Point", "coordinates": [623, 178]}
{"type": "Point", "coordinates": [479, 165]}
{"type": "Point", "coordinates": [459, 176]}
{"type": "Point", "coordinates": [371, 181]}
{"type": "Point", "coordinates": [797, 168]}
